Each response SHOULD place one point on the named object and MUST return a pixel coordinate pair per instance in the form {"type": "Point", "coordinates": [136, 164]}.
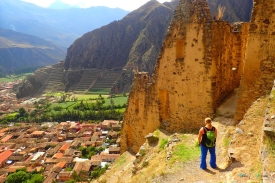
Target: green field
{"type": "Point", "coordinates": [13, 78]}
{"type": "Point", "coordinates": [64, 105]}
{"type": "Point", "coordinates": [89, 96]}
{"type": "Point", "coordinates": [103, 91]}
{"type": "Point", "coordinates": [117, 101]}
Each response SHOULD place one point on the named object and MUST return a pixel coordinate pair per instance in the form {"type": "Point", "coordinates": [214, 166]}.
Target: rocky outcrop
{"type": "Point", "coordinates": [199, 64]}
{"type": "Point", "coordinates": [259, 64]}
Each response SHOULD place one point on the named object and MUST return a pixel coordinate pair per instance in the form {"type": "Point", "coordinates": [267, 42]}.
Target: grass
{"type": "Point", "coordinates": [121, 110]}
{"type": "Point", "coordinates": [270, 143]}
{"type": "Point", "coordinates": [117, 101]}
{"type": "Point", "coordinates": [226, 142]}
{"type": "Point", "coordinates": [184, 153]}
{"type": "Point", "coordinates": [99, 91]}
{"type": "Point", "coordinates": [13, 78]}
{"type": "Point", "coordinates": [120, 161]}
{"type": "Point", "coordinates": [12, 114]}
{"type": "Point", "coordinates": [269, 139]}
{"type": "Point", "coordinates": [163, 143]}
{"type": "Point", "coordinates": [64, 105]}
{"type": "Point", "coordinates": [89, 96]}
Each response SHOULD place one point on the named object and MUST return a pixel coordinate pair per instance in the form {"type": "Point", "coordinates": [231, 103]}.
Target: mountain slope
{"type": "Point", "coordinates": [112, 46]}
{"type": "Point", "coordinates": [20, 51]}
{"type": "Point", "coordinates": [59, 26]}
{"type": "Point", "coordinates": [135, 41]}
{"type": "Point", "coordinates": [235, 11]}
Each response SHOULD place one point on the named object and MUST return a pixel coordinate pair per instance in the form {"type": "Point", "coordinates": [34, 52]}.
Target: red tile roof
{"type": "Point", "coordinates": [4, 130]}
{"type": "Point", "coordinates": [64, 147]}
{"type": "Point", "coordinates": [61, 164]}
{"type": "Point", "coordinates": [58, 155]}
{"type": "Point", "coordinates": [5, 139]}
{"type": "Point", "coordinates": [5, 155]}
{"type": "Point", "coordinates": [38, 133]}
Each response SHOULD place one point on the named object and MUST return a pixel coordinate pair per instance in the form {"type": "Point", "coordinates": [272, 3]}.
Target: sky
{"type": "Point", "coordinates": [128, 5]}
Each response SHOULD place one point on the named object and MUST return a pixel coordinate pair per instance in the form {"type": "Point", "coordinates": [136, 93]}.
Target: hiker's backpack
{"type": "Point", "coordinates": [211, 137]}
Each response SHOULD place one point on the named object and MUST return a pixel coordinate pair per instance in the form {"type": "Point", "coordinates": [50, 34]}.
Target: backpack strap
{"type": "Point", "coordinates": [213, 129]}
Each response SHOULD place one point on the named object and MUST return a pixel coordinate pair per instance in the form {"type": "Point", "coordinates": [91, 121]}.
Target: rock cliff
{"type": "Point", "coordinates": [199, 64]}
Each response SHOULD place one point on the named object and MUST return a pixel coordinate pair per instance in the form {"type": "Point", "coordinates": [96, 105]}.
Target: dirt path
{"type": "Point", "coordinates": [246, 167]}
{"type": "Point", "coordinates": [191, 172]}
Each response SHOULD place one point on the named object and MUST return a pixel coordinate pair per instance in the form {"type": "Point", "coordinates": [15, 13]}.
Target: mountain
{"type": "Point", "coordinates": [61, 26]}
{"type": "Point", "coordinates": [24, 52]}
{"type": "Point", "coordinates": [235, 11]}
{"type": "Point", "coordinates": [133, 42]}
{"type": "Point", "coordinates": [60, 5]}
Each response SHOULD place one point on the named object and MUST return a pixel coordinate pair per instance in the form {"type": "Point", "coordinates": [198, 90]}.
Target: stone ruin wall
{"type": "Point", "coordinates": [259, 71]}
{"type": "Point", "coordinates": [225, 47]}
{"type": "Point", "coordinates": [192, 75]}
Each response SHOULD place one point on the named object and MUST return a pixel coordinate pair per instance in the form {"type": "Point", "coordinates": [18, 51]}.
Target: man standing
{"type": "Point", "coordinates": [207, 141]}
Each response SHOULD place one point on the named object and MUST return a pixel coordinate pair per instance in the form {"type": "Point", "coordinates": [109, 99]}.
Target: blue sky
{"type": "Point", "coordinates": [128, 5]}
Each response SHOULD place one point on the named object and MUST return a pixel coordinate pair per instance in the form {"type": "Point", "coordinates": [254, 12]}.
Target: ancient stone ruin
{"type": "Point", "coordinates": [259, 63]}
{"type": "Point", "coordinates": [202, 60]}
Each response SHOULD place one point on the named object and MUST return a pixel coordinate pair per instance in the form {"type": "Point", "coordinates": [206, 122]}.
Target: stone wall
{"type": "Point", "coordinates": [200, 63]}
{"type": "Point", "coordinates": [260, 56]}
{"type": "Point", "coordinates": [225, 50]}
{"type": "Point", "coordinates": [268, 136]}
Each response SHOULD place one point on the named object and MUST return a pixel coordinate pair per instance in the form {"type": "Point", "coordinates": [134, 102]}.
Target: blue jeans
{"type": "Point", "coordinates": [212, 151]}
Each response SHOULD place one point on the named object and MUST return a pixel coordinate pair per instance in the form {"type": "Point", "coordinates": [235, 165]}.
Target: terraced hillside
{"type": "Point", "coordinates": [88, 79]}
{"type": "Point", "coordinates": [53, 83]}
{"type": "Point", "coordinates": [105, 81]}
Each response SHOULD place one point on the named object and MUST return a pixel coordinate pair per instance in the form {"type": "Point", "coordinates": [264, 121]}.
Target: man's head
{"type": "Point", "coordinates": [207, 120]}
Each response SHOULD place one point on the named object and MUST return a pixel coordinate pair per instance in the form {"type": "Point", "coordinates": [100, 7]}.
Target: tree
{"type": "Point", "coordinates": [22, 112]}
{"type": "Point", "coordinates": [84, 152]}
{"type": "Point", "coordinates": [36, 178]}
{"type": "Point", "coordinates": [17, 177]}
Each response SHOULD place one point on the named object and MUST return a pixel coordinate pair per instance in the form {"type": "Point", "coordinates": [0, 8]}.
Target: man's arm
{"type": "Point", "coordinates": [201, 132]}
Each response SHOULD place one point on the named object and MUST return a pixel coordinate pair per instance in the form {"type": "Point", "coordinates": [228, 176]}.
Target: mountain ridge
{"type": "Point", "coordinates": [21, 51]}
{"type": "Point", "coordinates": [131, 43]}
{"type": "Point", "coordinates": [59, 26]}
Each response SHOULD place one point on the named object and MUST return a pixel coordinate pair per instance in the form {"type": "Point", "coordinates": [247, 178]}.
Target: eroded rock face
{"type": "Point", "coordinates": [259, 67]}
{"type": "Point", "coordinates": [199, 64]}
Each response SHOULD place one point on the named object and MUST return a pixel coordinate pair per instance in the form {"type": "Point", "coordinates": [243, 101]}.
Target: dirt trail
{"type": "Point", "coordinates": [191, 172]}
{"type": "Point", "coordinates": [246, 147]}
